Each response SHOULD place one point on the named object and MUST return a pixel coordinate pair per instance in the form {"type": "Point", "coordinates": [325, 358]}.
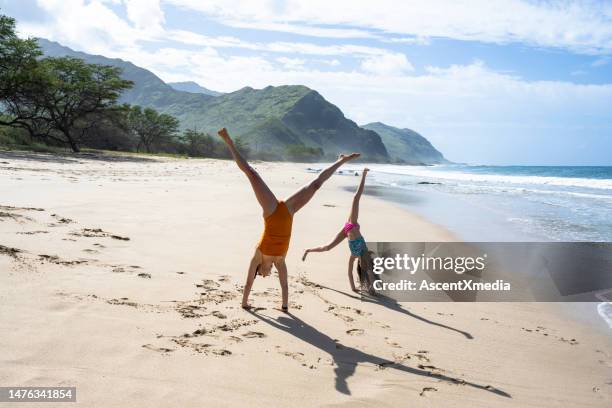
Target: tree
{"type": "Point", "coordinates": [243, 146]}
{"type": "Point", "coordinates": [198, 143]}
{"type": "Point", "coordinates": [75, 96]}
{"type": "Point", "coordinates": [304, 153]}
{"type": "Point", "coordinates": [20, 78]}
{"type": "Point", "coordinates": [110, 130]}
{"type": "Point", "coordinates": [153, 129]}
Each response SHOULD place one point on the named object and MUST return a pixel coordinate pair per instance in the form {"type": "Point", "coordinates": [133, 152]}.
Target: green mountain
{"type": "Point", "coordinates": [148, 89]}
{"type": "Point", "coordinates": [406, 145]}
{"type": "Point", "coordinates": [193, 87]}
{"type": "Point", "coordinates": [270, 119]}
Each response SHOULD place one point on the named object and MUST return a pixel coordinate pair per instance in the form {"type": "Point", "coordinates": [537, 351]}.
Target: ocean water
{"type": "Point", "coordinates": [505, 203]}
{"type": "Point", "coordinates": [521, 202]}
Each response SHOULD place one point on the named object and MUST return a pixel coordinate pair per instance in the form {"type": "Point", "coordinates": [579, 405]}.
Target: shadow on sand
{"type": "Point", "coordinates": [396, 306]}
{"type": "Point", "coordinates": [347, 358]}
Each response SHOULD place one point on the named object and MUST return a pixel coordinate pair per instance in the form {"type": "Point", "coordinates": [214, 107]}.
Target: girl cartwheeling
{"type": "Point", "coordinates": [356, 243]}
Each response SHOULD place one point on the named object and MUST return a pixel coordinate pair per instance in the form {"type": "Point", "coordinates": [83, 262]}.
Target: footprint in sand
{"type": "Point", "coordinates": [253, 335]}
{"type": "Point", "coordinates": [392, 343]}
{"type": "Point", "coordinates": [189, 311]}
{"type": "Point", "coordinates": [122, 301]}
{"type": "Point", "coordinates": [355, 332]}
{"type": "Point", "coordinates": [54, 259]}
{"type": "Point", "coordinates": [144, 275]}
{"type": "Point", "coordinates": [97, 233]}
{"type": "Point", "coordinates": [158, 349]}
{"type": "Point", "coordinates": [62, 220]}
{"type": "Point", "coordinates": [427, 389]}
{"type": "Point", "coordinates": [12, 252]}
{"type": "Point", "coordinates": [218, 314]}
{"type": "Point", "coordinates": [32, 232]}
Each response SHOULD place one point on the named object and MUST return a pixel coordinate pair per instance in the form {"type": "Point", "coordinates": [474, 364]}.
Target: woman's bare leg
{"type": "Point", "coordinates": [303, 195]}
{"type": "Point", "coordinates": [355, 208]}
{"type": "Point", "coordinates": [264, 195]}
{"type": "Point", "coordinates": [255, 261]}
{"type": "Point", "coordinates": [281, 266]}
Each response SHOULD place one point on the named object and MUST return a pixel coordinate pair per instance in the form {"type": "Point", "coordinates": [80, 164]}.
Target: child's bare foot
{"type": "Point", "coordinates": [285, 308]}
{"type": "Point", "coordinates": [246, 306]}
{"type": "Point", "coordinates": [365, 171]}
{"type": "Point", "coordinates": [347, 157]}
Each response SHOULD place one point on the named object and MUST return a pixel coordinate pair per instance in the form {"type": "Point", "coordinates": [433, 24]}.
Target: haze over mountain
{"type": "Point", "coordinates": [193, 87]}
{"type": "Point", "coordinates": [406, 145]}
{"type": "Point", "coordinates": [270, 119]}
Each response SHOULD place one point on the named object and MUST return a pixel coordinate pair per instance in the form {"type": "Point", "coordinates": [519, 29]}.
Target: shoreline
{"type": "Point", "coordinates": [166, 301]}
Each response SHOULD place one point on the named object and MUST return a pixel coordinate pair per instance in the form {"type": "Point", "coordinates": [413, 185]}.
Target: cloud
{"type": "Point", "coordinates": [600, 62]}
{"type": "Point", "coordinates": [145, 14]}
{"type": "Point", "coordinates": [90, 26]}
{"type": "Point", "coordinates": [388, 64]}
{"type": "Point", "coordinates": [583, 27]}
{"type": "Point", "coordinates": [371, 83]}
{"type": "Point", "coordinates": [291, 63]}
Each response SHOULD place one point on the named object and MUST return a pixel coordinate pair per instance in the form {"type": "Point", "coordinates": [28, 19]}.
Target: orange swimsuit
{"type": "Point", "coordinates": [277, 231]}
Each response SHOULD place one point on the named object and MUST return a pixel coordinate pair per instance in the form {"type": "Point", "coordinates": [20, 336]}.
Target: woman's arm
{"type": "Point", "coordinates": [338, 239]}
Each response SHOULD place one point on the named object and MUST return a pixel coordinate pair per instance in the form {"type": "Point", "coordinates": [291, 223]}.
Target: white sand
{"type": "Point", "coordinates": [126, 340]}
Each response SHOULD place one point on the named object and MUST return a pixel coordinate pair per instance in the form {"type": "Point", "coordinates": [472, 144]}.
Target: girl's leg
{"type": "Point", "coordinates": [255, 261]}
{"type": "Point", "coordinates": [350, 273]}
{"type": "Point", "coordinates": [264, 195]}
{"type": "Point", "coordinates": [303, 195]}
{"type": "Point", "coordinates": [281, 266]}
{"type": "Point", "coordinates": [355, 208]}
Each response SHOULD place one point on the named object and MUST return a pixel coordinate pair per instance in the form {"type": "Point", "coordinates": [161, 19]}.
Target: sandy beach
{"type": "Point", "coordinates": [122, 276]}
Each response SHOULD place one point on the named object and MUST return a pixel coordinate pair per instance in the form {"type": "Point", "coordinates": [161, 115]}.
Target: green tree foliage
{"type": "Point", "coordinates": [199, 144]}
{"type": "Point", "coordinates": [19, 76]}
{"type": "Point", "coordinates": [153, 130]}
{"type": "Point", "coordinates": [57, 99]}
{"type": "Point", "coordinates": [243, 146]}
{"type": "Point", "coordinates": [77, 96]}
{"type": "Point", "coordinates": [304, 153]}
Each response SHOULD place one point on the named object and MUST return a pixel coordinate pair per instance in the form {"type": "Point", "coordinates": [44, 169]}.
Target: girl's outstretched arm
{"type": "Point", "coordinates": [338, 239]}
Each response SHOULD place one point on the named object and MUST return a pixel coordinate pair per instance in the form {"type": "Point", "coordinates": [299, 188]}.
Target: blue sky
{"type": "Point", "coordinates": [497, 82]}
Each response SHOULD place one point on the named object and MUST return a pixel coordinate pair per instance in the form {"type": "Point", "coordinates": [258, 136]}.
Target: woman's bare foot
{"type": "Point", "coordinates": [347, 157]}
{"type": "Point", "coordinates": [224, 135]}
{"type": "Point", "coordinates": [246, 306]}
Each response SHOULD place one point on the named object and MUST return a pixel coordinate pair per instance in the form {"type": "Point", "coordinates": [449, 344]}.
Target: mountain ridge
{"type": "Point", "coordinates": [406, 145]}
{"type": "Point", "coordinates": [193, 87]}
{"type": "Point", "coordinates": [272, 119]}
